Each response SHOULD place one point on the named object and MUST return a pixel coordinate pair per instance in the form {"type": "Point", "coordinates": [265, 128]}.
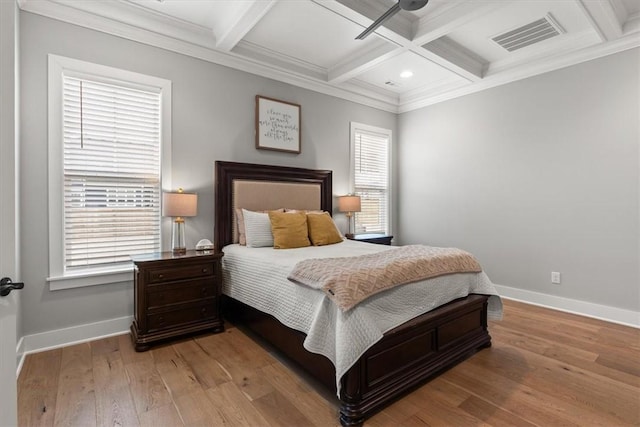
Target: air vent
{"type": "Point", "coordinates": [392, 83]}
{"type": "Point", "coordinates": [529, 34]}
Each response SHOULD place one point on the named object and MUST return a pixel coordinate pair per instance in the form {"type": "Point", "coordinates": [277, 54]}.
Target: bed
{"type": "Point", "coordinates": [402, 358]}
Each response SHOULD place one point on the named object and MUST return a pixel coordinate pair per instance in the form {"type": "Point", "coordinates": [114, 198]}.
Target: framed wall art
{"type": "Point", "coordinates": [277, 125]}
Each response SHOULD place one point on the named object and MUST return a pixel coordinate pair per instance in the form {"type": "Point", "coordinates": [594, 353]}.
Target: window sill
{"type": "Point", "coordinates": [81, 280]}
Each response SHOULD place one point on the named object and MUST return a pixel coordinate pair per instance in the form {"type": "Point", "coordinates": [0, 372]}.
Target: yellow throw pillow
{"type": "Point", "coordinates": [322, 229]}
{"type": "Point", "coordinates": [289, 230]}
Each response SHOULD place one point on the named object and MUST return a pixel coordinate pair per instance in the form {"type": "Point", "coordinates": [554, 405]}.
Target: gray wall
{"type": "Point", "coordinates": [535, 176]}
{"type": "Point", "coordinates": [213, 119]}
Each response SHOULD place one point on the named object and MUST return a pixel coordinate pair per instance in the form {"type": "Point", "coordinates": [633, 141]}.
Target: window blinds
{"type": "Point", "coordinates": [371, 154]}
{"type": "Point", "coordinates": [111, 173]}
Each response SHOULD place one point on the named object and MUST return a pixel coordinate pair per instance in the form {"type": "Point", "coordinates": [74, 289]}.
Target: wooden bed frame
{"type": "Point", "coordinates": [404, 358]}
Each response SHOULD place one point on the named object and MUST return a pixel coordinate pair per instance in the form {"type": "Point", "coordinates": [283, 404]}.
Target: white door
{"type": "Point", "coordinates": [8, 212]}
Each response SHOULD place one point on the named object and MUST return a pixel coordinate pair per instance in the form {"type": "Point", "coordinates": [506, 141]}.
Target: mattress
{"type": "Point", "coordinates": [258, 278]}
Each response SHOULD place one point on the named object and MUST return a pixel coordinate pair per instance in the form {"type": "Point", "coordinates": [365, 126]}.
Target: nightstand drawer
{"type": "Point", "coordinates": [175, 295]}
{"type": "Point", "coordinates": [179, 317]}
{"type": "Point", "coordinates": [180, 292]}
{"type": "Point", "coordinates": [160, 275]}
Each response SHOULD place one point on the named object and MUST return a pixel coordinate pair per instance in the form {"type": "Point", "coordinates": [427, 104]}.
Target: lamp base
{"type": "Point", "coordinates": [178, 245]}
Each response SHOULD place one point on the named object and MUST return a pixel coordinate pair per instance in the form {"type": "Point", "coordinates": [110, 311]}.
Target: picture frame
{"type": "Point", "coordinates": [277, 125]}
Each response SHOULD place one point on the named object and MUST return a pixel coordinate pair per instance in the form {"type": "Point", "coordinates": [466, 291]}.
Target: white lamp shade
{"type": "Point", "coordinates": [179, 204]}
{"type": "Point", "coordinates": [349, 203]}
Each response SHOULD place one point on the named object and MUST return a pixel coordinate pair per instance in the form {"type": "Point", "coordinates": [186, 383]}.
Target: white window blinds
{"type": "Point", "coordinates": [111, 137]}
{"type": "Point", "coordinates": [371, 180]}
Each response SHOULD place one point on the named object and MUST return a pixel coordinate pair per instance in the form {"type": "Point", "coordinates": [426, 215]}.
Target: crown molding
{"type": "Point", "coordinates": [132, 22]}
{"type": "Point", "coordinates": [285, 62]}
{"type": "Point", "coordinates": [90, 20]}
{"type": "Point", "coordinates": [541, 66]}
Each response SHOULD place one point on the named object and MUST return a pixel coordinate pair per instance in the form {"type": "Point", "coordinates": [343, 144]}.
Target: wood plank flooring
{"type": "Point", "coordinates": [545, 368]}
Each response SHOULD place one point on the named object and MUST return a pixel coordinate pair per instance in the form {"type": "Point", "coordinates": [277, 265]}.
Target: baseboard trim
{"type": "Point", "coordinates": [19, 356]}
{"type": "Point", "coordinates": [91, 331]}
{"type": "Point", "coordinates": [583, 308]}
{"type": "Point", "coordinates": [49, 340]}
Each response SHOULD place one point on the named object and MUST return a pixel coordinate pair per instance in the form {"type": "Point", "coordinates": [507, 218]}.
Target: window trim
{"type": "Point", "coordinates": [353, 128]}
{"type": "Point", "coordinates": [57, 67]}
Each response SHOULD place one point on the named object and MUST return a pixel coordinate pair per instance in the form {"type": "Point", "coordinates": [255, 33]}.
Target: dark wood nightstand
{"type": "Point", "coordinates": [380, 239]}
{"type": "Point", "coordinates": [175, 295]}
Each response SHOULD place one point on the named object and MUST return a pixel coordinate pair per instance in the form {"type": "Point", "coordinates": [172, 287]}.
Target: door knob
{"type": "Point", "coordinates": [6, 286]}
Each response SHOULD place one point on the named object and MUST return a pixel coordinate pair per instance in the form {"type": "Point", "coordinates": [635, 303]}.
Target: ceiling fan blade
{"type": "Point", "coordinates": [388, 14]}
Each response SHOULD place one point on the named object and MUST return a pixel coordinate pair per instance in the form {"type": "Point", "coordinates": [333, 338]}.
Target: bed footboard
{"type": "Point", "coordinates": [404, 358]}
{"type": "Point", "coordinates": [412, 353]}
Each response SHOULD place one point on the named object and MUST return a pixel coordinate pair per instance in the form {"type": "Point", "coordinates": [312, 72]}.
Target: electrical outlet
{"type": "Point", "coordinates": [555, 277]}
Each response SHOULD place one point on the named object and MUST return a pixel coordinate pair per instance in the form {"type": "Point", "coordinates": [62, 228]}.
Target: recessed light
{"type": "Point", "coordinates": [406, 74]}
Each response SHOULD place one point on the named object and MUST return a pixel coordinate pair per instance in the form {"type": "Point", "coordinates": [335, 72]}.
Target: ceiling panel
{"type": "Point", "coordinates": [425, 73]}
{"type": "Point", "coordinates": [476, 35]}
{"type": "Point", "coordinates": [308, 32]}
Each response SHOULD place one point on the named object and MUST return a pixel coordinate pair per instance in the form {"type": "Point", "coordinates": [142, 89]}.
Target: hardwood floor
{"type": "Point", "coordinates": [545, 368]}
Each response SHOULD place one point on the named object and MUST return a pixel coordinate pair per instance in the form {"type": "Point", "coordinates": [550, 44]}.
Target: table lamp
{"type": "Point", "coordinates": [349, 204]}
{"type": "Point", "coordinates": [179, 205]}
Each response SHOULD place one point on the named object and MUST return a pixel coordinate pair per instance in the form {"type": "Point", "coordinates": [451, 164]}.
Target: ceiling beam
{"type": "Point", "coordinates": [632, 24]}
{"type": "Point", "coordinates": [378, 51]}
{"type": "Point", "coordinates": [247, 17]}
{"type": "Point", "coordinates": [426, 43]}
{"type": "Point", "coordinates": [603, 17]}
{"type": "Point", "coordinates": [449, 54]}
{"type": "Point", "coordinates": [452, 16]}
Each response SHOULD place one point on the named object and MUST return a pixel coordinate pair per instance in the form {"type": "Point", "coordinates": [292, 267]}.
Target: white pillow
{"type": "Point", "coordinates": [257, 228]}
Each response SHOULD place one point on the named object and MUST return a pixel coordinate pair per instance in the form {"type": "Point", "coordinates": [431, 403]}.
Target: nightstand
{"type": "Point", "coordinates": [175, 295]}
{"type": "Point", "coordinates": [379, 239]}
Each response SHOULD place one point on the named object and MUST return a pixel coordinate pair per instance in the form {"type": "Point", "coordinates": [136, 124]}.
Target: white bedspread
{"type": "Point", "coordinates": [258, 277]}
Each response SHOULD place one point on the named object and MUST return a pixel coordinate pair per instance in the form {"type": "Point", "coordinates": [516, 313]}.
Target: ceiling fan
{"type": "Point", "coordinates": [401, 5]}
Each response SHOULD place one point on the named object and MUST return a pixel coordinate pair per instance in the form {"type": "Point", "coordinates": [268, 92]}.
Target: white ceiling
{"type": "Point", "coordinates": [311, 43]}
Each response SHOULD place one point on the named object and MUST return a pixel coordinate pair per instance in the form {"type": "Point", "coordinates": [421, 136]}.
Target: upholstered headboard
{"type": "Point", "coordinates": [260, 187]}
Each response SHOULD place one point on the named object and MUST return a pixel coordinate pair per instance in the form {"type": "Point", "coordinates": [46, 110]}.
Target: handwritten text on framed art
{"type": "Point", "coordinates": [277, 125]}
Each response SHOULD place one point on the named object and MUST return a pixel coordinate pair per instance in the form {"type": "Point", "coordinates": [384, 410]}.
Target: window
{"type": "Point", "coordinates": [370, 172]}
{"type": "Point", "coordinates": [106, 143]}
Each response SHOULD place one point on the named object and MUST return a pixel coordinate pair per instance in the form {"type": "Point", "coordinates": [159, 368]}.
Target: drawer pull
{"type": "Point", "coordinates": [203, 311]}
{"type": "Point", "coordinates": [205, 270]}
{"type": "Point", "coordinates": [160, 276]}
{"type": "Point", "coordinates": [204, 291]}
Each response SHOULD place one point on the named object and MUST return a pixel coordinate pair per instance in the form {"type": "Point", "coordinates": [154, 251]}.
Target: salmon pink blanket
{"type": "Point", "coordinates": [349, 280]}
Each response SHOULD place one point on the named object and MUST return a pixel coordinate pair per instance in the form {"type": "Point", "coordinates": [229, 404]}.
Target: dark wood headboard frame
{"type": "Point", "coordinates": [227, 172]}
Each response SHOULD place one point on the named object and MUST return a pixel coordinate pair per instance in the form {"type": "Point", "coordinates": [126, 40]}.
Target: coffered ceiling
{"type": "Point", "coordinates": [451, 47]}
